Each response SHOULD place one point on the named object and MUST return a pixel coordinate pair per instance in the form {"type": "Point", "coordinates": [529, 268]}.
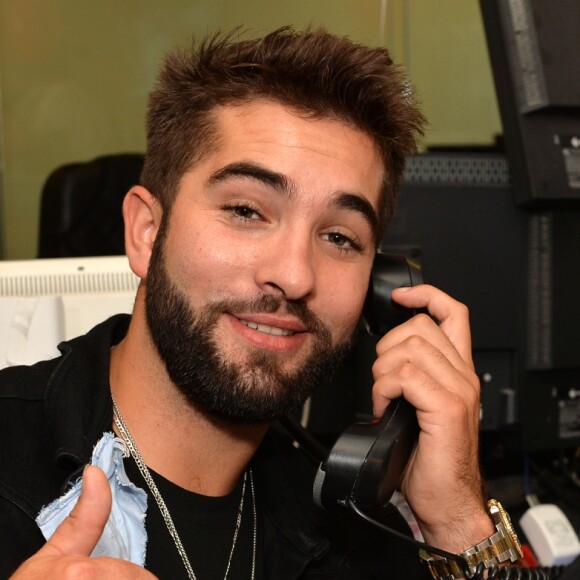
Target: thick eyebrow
{"type": "Point", "coordinates": [280, 183]}
{"type": "Point", "coordinates": [353, 201]}
{"type": "Point", "coordinates": [243, 169]}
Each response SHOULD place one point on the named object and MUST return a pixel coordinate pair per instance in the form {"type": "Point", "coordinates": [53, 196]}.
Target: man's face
{"type": "Point", "coordinates": [257, 280]}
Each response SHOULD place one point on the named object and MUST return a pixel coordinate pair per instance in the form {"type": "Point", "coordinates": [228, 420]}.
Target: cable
{"type": "Point", "coordinates": [307, 442]}
{"type": "Point", "coordinates": [531, 498]}
{"type": "Point", "coordinates": [556, 486]}
{"type": "Point", "coordinates": [444, 554]}
{"type": "Point", "coordinates": [569, 473]}
{"type": "Point", "coordinates": [526, 482]}
{"type": "Point", "coordinates": [515, 573]}
{"type": "Point", "coordinates": [494, 572]}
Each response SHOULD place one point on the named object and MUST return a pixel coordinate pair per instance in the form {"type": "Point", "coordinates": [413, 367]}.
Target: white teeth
{"type": "Point", "coordinates": [273, 330]}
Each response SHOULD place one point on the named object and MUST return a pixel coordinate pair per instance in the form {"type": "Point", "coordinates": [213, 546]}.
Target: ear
{"type": "Point", "coordinates": [142, 214]}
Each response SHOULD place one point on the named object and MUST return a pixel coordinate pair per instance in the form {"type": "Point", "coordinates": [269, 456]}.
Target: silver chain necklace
{"type": "Point", "coordinates": [146, 474]}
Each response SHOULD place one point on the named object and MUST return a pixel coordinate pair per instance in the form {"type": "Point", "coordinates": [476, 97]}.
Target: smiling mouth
{"type": "Point", "coordinates": [271, 330]}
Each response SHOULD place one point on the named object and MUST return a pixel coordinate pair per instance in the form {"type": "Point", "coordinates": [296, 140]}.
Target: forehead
{"type": "Point", "coordinates": [306, 148]}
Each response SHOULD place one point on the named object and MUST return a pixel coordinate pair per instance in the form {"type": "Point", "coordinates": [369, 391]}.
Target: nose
{"type": "Point", "coordinates": [286, 266]}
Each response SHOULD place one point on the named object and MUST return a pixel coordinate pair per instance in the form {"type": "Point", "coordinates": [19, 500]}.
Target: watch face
{"type": "Point", "coordinates": [507, 523]}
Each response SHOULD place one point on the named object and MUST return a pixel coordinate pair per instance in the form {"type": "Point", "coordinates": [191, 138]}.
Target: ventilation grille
{"type": "Point", "coordinates": [59, 284]}
{"type": "Point", "coordinates": [540, 292]}
{"type": "Point", "coordinates": [526, 62]}
{"type": "Point", "coordinates": [465, 168]}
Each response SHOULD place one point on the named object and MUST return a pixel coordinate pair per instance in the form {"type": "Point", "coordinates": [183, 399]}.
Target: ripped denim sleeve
{"type": "Point", "coordinates": [124, 535]}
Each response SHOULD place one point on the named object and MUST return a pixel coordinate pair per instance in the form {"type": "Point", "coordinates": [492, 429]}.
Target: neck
{"type": "Point", "coordinates": [177, 440]}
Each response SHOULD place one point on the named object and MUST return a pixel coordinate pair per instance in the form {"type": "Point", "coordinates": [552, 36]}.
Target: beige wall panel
{"type": "Point", "coordinates": [75, 74]}
{"type": "Point", "coordinates": [446, 56]}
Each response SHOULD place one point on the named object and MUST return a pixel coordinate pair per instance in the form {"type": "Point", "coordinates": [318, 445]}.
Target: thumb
{"type": "Point", "coordinates": [80, 532]}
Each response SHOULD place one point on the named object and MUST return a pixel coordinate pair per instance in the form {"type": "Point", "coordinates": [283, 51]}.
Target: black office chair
{"type": "Point", "coordinates": [80, 212]}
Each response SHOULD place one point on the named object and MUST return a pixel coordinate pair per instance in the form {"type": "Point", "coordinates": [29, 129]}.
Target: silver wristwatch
{"type": "Point", "coordinates": [497, 548]}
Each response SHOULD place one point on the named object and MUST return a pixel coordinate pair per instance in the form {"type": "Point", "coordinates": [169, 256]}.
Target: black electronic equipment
{"type": "Point", "coordinates": [518, 271]}
{"type": "Point", "coordinates": [367, 462]}
{"type": "Point", "coordinates": [533, 47]}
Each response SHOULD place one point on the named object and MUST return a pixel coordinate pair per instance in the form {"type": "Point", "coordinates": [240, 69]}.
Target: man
{"type": "Point", "coordinates": [271, 172]}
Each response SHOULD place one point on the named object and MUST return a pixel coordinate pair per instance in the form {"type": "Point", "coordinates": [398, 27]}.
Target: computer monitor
{"type": "Point", "coordinates": [533, 47]}
{"type": "Point", "coordinates": [46, 301]}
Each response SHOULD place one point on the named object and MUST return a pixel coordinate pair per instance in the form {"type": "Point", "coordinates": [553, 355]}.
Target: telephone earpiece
{"type": "Point", "coordinates": [367, 462]}
{"type": "Point", "coordinates": [380, 313]}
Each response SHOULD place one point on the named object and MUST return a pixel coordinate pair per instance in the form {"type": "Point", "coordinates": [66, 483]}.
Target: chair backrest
{"type": "Point", "coordinates": [80, 213]}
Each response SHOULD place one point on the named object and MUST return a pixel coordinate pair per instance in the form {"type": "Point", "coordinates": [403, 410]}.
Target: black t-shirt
{"type": "Point", "coordinates": [206, 527]}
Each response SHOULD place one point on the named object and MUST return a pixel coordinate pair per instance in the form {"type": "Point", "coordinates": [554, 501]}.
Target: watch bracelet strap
{"type": "Point", "coordinates": [442, 568]}
{"type": "Point", "coordinates": [493, 550]}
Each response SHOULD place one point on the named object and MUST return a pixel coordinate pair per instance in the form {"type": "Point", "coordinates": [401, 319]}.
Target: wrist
{"type": "Point", "coordinates": [464, 531]}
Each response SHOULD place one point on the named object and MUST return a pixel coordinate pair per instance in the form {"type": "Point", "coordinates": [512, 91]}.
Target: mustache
{"type": "Point", "coordinates": [269, 304]}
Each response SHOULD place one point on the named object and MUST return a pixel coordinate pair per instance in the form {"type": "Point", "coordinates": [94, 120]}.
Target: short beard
{"type": "Point", "coordinates": [254, 391]}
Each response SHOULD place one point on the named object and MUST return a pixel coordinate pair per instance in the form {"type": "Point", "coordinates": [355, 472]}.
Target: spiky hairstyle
{"type": "Point", "coordinates": [314, 72]}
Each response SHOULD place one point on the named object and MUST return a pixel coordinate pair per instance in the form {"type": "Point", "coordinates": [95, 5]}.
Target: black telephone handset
{"type": "Point", "coordinates": [367, 462]}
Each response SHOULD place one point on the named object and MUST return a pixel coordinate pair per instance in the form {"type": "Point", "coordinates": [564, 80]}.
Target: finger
{"type": "Point", "coordinates": [421, 328]}
{"type": "Point", "coordinates": [82, 529]}
{"type": "Point", "coordinates": [421, 341]}
{"type": "Point", "coordinates": [442, 364]}
{"type": "Point", "coordinates": [425, 393]}
{"type": "Point", "coordinates": [453, 316]}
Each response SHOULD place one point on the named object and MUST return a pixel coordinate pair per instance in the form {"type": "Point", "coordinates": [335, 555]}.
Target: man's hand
{"type": "Point", "coordinates": [430, 364]}
{"type": "Point", "coordinates": [67, 553]}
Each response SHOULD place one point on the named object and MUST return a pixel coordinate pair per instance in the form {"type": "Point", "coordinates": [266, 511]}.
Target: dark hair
{"type": "Point", "coordinates": [314, 72]}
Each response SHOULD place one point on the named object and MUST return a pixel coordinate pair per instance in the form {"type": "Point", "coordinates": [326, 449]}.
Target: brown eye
{"type": "Point", "coordinates": [342, 242]}
{"type": "Point", "coordinates": [338, 239]}
{"type": "Point", "coordinates": [244, 212]}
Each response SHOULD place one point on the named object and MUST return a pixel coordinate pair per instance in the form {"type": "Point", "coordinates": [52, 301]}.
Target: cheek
{"type": "Point", "coordinates": [345, 307]}
{"type": "Point", "coordinates": [202, 259]}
